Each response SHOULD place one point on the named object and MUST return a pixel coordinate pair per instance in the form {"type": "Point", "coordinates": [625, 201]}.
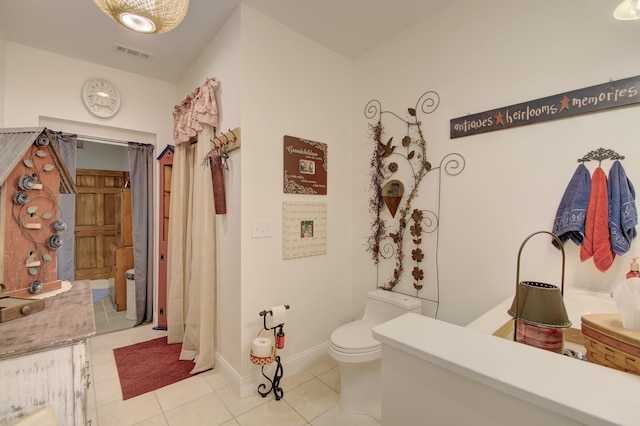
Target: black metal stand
{"type": "Point", "coordinates": [275, 383]}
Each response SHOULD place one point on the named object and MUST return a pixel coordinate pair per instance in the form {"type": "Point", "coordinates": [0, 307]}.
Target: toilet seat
{"type": "Point", "coordinates": [355, 338]}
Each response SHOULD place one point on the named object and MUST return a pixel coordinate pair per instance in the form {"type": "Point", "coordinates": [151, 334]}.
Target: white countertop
{"type": "Point", "coordinates": [578, 303]}
{"type": "Point", "coordinates": [588, 393]}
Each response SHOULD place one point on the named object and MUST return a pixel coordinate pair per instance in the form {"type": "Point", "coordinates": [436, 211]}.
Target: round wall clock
{"type": "Point", "coordinates": [101, 97]}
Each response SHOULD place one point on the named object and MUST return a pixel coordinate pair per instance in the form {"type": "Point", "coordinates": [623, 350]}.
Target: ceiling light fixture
{"type": "Point", "coordinates": [146, 16]}
{"type": "Point", "coordinates": [628, 10]}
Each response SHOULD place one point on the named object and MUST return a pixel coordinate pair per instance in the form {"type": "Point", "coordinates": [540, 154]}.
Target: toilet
{"type": "Point", "coordinates": [358, 353]}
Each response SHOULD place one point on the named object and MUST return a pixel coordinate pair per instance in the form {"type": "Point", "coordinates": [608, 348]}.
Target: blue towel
{"type": "Point", "coordinates": [623, 215]}
{"type": "Point", "coordinates": [572, 211]}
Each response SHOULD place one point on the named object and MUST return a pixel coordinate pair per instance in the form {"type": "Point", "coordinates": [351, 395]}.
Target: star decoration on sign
{"type": "Point", "coordinates": [499, 118]}
{"type": "Point", "coordinates": [564, 103]}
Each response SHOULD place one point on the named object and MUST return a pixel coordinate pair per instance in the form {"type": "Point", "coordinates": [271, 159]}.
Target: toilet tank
{"type": "Point", "coordinates": [384, 305]}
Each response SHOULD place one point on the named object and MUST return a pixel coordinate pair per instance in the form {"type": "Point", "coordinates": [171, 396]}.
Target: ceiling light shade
{"type": "Point", "coordinates": [146, 16]}
{"type": "Point", "coordinates": [628, 10]}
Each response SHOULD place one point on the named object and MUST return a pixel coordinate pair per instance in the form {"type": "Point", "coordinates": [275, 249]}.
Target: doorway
{"type": "Point", "coordinates": [102, 171]}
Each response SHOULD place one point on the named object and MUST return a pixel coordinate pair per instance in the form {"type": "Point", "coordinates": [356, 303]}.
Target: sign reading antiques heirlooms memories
{"type": "Point", "coordinates": [305, 166]}
{"type": "Point", "coordinates": [595, 98]}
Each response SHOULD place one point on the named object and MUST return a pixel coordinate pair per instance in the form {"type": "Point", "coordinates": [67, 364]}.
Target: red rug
{"type": "Point", "coordinates": [147, 366]}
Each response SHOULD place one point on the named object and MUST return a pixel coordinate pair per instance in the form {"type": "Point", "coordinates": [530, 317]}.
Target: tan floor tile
{"type": "Point", "coordinates": [272, 413]}
{"type": "Point", "coordinates": [108, 391]}
{"type": "Point", "coordinates": [104, 371]}
{"type": "Point", "coordinates": [290, 382]}
{"type": "Point", "coordinates": [121, 324]}
{"type": "Point", "coordinates": [336, 416]}
{"type": "Point", "coordinates": [232, 422]}
{"type": "Point", "coordinates": [312, 399]}
{"type": "Point", "coordinates": [102, 327]}
{"type": "Point", "coordinates": [331, 378]}
{"type": "Point", "coordinates": [207, 410]}
{"type": "Point", "coordinates": [101, 355]}
{"type": "Point", "coordinates": [98, 313]}
{"type": "Point", "coordinates": [215, 379]}
{"type": "Point", "coordinates": [238, 405]}
{"type": "Point", "coordinates": [142, 333]}
{"type": "Point", "coordinates": [322, 366]}
{"type": "Point", "coordinates": [129, 412]}
{"type": "Point", "coordinates": [108, 305]}
{"type": "Point", "coordinates": [182, 392]}
{"type": "Point", "coordinates": [158, 420]}
{"type": "Point", "coordinates": [111, 340]}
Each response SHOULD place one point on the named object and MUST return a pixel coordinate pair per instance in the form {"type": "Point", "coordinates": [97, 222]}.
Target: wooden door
{"type": "Point", "coordinates": [95, 222]}
{"type": "Point", "coordinates": [166, 167]}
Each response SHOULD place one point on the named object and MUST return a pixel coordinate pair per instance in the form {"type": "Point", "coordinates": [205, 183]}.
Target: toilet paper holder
{"type": "Point", "coordinates": [264, 314]}
{"type": "Point", "coordinates": [275, 382]}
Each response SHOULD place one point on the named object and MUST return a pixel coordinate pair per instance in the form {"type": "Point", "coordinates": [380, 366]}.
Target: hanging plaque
{"type": "Point", "coordinates": [305, 166]}
{"type": "Point", "coordinates": [590, 99]}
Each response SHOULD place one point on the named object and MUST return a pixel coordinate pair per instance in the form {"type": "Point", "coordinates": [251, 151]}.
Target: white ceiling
{"type": "Point", "coordinates": [78, 29]}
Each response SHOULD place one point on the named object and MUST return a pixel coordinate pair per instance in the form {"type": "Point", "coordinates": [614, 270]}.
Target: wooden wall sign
{"type": "Point", "coordinates": [595, 98]}
{"type": "Point", "coordinates": [305, 166]}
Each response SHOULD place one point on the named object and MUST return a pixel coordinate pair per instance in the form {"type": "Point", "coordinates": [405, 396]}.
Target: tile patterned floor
{"type": "Point", "coordinates": [105, 314]}
{"type": "Point", "coordinates": [310, 396]}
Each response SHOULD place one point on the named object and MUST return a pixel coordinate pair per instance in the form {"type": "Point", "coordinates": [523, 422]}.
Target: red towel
{"type": "Point", "coordinates": [596, 230]}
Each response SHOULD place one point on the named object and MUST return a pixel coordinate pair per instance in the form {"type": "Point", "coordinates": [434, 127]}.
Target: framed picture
{"type": "Point", "coordinates": [305, 166]}
{"type": "Point", "coordinates": [304, 229]}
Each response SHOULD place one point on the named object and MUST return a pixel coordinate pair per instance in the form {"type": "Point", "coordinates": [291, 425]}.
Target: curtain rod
{"type": "Point", "coordinates": [106, 141]}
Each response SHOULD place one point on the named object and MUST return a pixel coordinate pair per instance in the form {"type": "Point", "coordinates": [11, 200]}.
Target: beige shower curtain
{"type": "Point", "coordinates": [191, 263]}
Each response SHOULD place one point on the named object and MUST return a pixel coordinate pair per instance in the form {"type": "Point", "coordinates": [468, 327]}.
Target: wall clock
{"type": "Point", "coordinates": [101, 97]}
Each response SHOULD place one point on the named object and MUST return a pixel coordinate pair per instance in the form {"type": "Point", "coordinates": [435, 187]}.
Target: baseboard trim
{"type": "Point", "coordinates": [245, 386]}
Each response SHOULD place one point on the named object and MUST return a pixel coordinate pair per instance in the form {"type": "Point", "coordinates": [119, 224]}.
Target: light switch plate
{"type": "Point", "coordinates": [261, 229]}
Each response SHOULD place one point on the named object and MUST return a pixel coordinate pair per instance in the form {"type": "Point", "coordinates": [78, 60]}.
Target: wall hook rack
{"type": "Point", "coordinates": [601, 154]}
{"type": "Point", "coordinates": [275, 382]}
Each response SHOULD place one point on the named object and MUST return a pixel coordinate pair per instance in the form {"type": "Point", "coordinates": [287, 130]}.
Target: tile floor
{"type": "Point", "coordinates": [105, 314]}
{"type": "Point", "coordinates": [310, 396]}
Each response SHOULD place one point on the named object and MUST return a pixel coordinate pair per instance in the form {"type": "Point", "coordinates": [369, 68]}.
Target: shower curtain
{"type": "Point", "coordinates": [66, 145]}
{"type": "Point", "coordinates": [141, 176]}
{"type": "Point", "coordinates": [191, 265]}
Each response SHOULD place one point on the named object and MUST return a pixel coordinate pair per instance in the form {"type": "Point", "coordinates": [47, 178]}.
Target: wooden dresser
{"type": "Point", "coordinates": [43, 360]}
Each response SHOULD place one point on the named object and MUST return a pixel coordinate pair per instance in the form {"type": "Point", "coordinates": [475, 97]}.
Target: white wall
{"type": "Point", "coordinates": [479, 56]}
{"type": "Point", "coordinates": [221, 59]}
{"type": "Point", "coordinates": [42, 88]}
{"type": "Point", "coordinates": [276, 82]}
{"type": "Point", "coordinates": [102, 157]}
{"type": "Point", "coordinates": [40, 83]}
{"type": "Point", "coordinates": [293, 86]}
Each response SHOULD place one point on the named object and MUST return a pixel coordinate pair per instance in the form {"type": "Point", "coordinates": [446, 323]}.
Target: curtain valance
{"type": "Point", "coordinates": [197, 108]}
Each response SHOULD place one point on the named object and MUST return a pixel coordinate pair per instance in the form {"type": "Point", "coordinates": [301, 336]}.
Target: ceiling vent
{"type": "Point", "coordinates": [132, 52]}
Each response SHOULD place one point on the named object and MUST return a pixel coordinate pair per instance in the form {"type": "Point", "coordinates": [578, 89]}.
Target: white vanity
{"type": "Point", "coordinates": [434, 372]}
{"type": "Point", "coordinates": [43, 359]}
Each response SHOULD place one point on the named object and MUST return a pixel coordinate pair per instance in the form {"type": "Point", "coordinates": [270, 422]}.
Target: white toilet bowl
{"type": "Point", "coordinates": [358, 353]}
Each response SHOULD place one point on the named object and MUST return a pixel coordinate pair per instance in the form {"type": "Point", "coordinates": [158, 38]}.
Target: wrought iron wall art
{"type": "Point", "coordinates": [390, 164]}
{"type": "Point", "coordinates": [36, 211]}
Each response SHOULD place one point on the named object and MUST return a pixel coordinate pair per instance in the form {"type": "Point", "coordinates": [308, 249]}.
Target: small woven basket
{"type": "Point", "coordinates": [264, 360]}
{"type": "Point", "coordinates": [609, 344]}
